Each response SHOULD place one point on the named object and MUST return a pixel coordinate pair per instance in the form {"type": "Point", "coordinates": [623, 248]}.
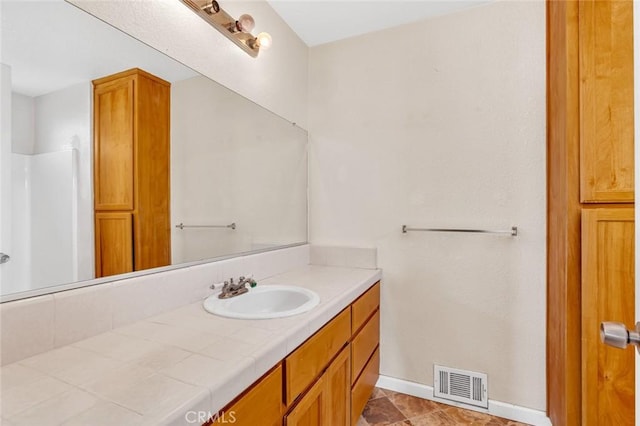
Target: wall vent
{"type": "Point", "coordinates": [463, 386]}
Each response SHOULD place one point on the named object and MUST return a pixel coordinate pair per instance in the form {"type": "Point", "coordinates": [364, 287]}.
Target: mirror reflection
{"type": "Point", "coordinates": [116, 158]}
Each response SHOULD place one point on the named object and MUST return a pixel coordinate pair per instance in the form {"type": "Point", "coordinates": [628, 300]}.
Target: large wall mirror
{"type": "Point", "coordinates": [230, 161]}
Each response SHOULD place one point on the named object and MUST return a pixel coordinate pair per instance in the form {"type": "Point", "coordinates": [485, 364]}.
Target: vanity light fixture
{"type": "Point", "coordinates": [236, 30]}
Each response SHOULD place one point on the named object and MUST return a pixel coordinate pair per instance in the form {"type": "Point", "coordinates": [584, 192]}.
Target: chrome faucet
{"type": "Point", "coordinates": [231, 289]}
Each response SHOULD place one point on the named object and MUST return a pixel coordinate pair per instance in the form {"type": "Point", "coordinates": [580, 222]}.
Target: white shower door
{"type": "Point", "coordinates": [5, 173]}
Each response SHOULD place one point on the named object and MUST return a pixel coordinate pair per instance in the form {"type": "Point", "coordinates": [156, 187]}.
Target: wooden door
{"type": "Point", "coordinates": [311, 409]}
{"type": "Point", "coordinates": [606, 101]}
{"type": "Point", "coordinates": [113, 243]}
{"type": "Point", "coordinates": [339, 389]}
{"type": "Point", "coordinates": [114, 145]}
{"type": "Point", "coordinates": [608, 294]}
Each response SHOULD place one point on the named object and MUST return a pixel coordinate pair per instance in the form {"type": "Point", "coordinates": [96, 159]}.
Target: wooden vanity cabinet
{"type": "Point", "coordinates": [323, 385]}
{"type": "Point", "coordinates": [352, 374]}
{"type": "Point", "coordinates": [131, 172]}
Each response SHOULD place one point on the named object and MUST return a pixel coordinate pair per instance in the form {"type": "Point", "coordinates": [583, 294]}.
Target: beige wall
{"type": "Point", "coordinates": [277, 79]}
{"type": "Point", "coordinates": [253, 175]}
{"type": "Point", "coordinates": [439, 123]}
{"type": "Point", "coordinates": [442, 124]}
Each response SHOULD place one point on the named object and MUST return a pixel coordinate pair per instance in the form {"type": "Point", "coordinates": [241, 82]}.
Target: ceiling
{"type": "Point", "coordinates": [318, 22]}
{"type": "Point", "coordinates": [49, 54]}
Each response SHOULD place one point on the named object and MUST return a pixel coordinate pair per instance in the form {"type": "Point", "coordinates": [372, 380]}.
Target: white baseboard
{"type": "Point", "coordinates": [496, 408]}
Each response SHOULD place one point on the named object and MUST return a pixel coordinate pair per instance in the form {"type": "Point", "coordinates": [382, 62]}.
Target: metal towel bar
{"type": "Point", "coordinates": [182, 226]}
{"type": "Point", "coordinates": [513, 231]}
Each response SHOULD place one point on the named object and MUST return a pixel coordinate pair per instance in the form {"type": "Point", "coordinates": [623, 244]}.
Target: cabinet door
{"type": "Point", "coordinates": [261, 405]}
{"type": "Point", "coordinates": [113, 145]}
{"type": "Point", "coordinates": [152, 219]}
{"type": "Point", "coordinates": [606, 101]}
{"type": "Point", "coordinates": [311, 409]}
{"type": "Point", "coordinates": [113, 244]}
{"type": "Point", "coordinates": [339, 389]}
{"type": "Point", "coordinates": [607, 292]}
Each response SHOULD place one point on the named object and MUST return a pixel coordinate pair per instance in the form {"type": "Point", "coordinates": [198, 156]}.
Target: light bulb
{"type": "Point", "coordinates": [211, 8]}
{"type": "Point", "coordinates": [264, 41]}
{"type": "Point", "coordinates": [245, 23]}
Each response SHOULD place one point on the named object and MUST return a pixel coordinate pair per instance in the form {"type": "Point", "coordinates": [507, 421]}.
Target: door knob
{"type": "Point", "coordinates": [4, 258]}
{"type": "Point", "coordinates": [616, 334]}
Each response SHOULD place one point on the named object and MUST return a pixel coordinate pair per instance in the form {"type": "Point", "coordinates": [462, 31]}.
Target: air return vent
{"type": "Point", "coordinates": [463, 386]}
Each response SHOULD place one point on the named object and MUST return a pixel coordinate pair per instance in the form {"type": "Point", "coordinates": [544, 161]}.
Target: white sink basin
{"type": "Point", "coordinates": [262, 302]}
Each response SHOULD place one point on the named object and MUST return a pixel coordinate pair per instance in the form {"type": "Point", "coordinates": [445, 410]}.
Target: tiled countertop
{"type": "Point", "coordinates": [168, 368]}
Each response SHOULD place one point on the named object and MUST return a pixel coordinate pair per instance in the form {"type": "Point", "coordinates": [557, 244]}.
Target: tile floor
{"type": "Point", "coordinates": [396, 409]}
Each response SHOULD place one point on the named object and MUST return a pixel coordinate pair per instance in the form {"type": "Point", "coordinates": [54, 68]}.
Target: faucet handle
{"type": "Point", "coordinates": [216, 285]}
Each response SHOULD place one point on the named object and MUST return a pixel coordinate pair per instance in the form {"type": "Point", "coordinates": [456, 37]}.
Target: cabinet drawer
{"type": "Point", "coordinates": [306, 363]}
{"type": "Point", "coordinates": [364, 344]}
{"type": "Point", "coordinates": [261, 405]}
{"type": "Point", "coordinates": [362, 308]}
{"type": "Point", "coordinates": [363, 387]}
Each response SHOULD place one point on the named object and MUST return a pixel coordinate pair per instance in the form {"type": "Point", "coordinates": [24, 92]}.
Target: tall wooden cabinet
{"type": "Point", "coordinates": [590, 195]}
{"type": "Point", "coordinates": [131, 172]}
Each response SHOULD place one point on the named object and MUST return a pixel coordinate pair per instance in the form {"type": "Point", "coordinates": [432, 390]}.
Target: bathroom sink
{"type": "Point", "coordinates": [263, 302]}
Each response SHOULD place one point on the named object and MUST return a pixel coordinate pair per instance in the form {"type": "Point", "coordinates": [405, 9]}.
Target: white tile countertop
{"type": "Point", "coordinates": [168, 368]}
